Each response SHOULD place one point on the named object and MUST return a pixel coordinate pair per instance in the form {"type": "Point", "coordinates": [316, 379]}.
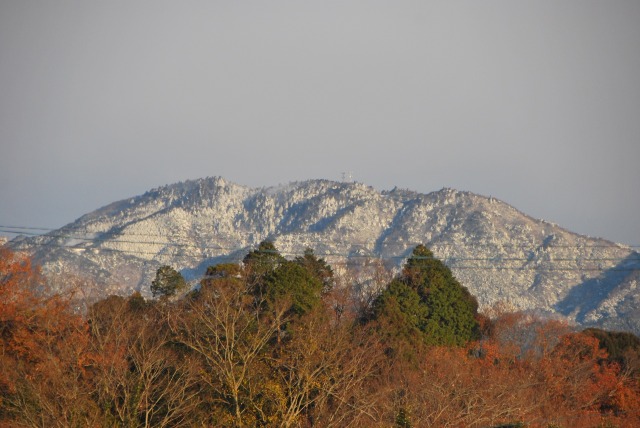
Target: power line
{"type": "Point", "coordinates": [122, 241]}
{"type": "Point", "coordinates": [332, 254]}
{"type": "Point", "coordinates": [113, 237]}
{"type": "Point", "coordinates": [496, 262]}
{"type": "Point", "coordinates": [27, 228]}
{"type": "Point", "coordinates": [449, 261]}
{"type": "Point", "coordinates": [115, 234]}
{"type": "Point", "coordinates": [115, 240]}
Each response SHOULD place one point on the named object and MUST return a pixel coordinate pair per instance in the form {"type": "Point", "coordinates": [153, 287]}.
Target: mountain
{"type": "Point", "coordinates": [499, 253]}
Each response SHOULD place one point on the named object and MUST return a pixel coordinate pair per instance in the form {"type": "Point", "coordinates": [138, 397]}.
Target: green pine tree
{"type": "Point", "coordinates": [427, 304]}
{"type": "Point", "coordinates": [318, 268]}
{"type": "Point", "coordinates": [168, 282]}
{"type": "Point", "coordinates": [293, 282]}
{"type": "Point", "coordinates": [262, 261]}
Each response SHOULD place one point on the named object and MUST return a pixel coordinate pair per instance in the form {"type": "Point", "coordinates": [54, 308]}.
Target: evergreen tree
{"type": "Point", "coordinates": [272, 278]}
{"type": "Point", "coordinates": [292, 281]}
{"type": "Point", "coordinates": [262, 261]}
{"type": "Point", "coordinates": [402, 310]}
{"type": "Point", "coordinates": [452, 309]}
{"type": "Point", "coordinates": [402, 419]}
{"type": "Point", "coordinates": [426, 302]}
{"type": "Point", "coordinates": [168, 282]}
{"type": "Point", "coordinates": [622, 347]}
{"type": "Point", "coordinates": [318, 268]}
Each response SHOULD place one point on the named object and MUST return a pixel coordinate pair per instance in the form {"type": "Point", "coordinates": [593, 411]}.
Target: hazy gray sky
{"type": "Point", "coordinates": [534, 102]}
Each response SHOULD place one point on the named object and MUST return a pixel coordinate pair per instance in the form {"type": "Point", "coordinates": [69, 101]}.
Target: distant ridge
{"type": "Point", "coordinates": [498, 252]}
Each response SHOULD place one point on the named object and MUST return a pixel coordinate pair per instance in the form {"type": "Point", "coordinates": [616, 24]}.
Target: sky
{"type": "Point", "coordinates": [536, 103]}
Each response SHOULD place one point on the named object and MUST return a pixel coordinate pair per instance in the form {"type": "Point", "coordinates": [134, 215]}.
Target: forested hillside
{"type": "Point", "coordinates": [285, 342]}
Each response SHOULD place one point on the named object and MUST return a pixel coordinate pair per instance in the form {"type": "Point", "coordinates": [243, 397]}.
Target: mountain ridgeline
{"type": "Point", "coordinates": [497, 252]}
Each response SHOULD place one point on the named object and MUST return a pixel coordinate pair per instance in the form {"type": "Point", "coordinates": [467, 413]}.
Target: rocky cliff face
{"type": "Point", "coordinates": [499, 253]}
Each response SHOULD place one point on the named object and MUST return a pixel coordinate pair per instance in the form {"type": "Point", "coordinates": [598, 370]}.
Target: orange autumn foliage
{"type": "Point", "coordinates": [42, 349]}
{"type": "Point", "coordinates": [526, 370]}
{"type": "Point", "coordinates": [131, 362]}
{"type": "Point", "coordinates": [17, 277]}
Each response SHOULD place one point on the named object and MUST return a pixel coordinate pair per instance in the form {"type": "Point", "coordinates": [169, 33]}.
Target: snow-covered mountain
{"type": "Point", "coordinates": [499, 253]}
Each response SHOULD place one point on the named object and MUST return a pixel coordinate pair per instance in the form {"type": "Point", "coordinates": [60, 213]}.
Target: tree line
{"type": "Point", "coordinates": [273, 342]}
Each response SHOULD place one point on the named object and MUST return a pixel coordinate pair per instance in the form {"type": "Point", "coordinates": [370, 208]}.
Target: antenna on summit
{"type": "Point", "coordinates": [347, 177]}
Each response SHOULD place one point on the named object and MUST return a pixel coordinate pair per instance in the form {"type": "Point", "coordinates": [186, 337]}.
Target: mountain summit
{"type": "Point", "coordinates": [499, 253]}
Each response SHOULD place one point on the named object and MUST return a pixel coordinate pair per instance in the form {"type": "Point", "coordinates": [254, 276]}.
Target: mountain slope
{"type": "Point", "coordinates": [499, 253]}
